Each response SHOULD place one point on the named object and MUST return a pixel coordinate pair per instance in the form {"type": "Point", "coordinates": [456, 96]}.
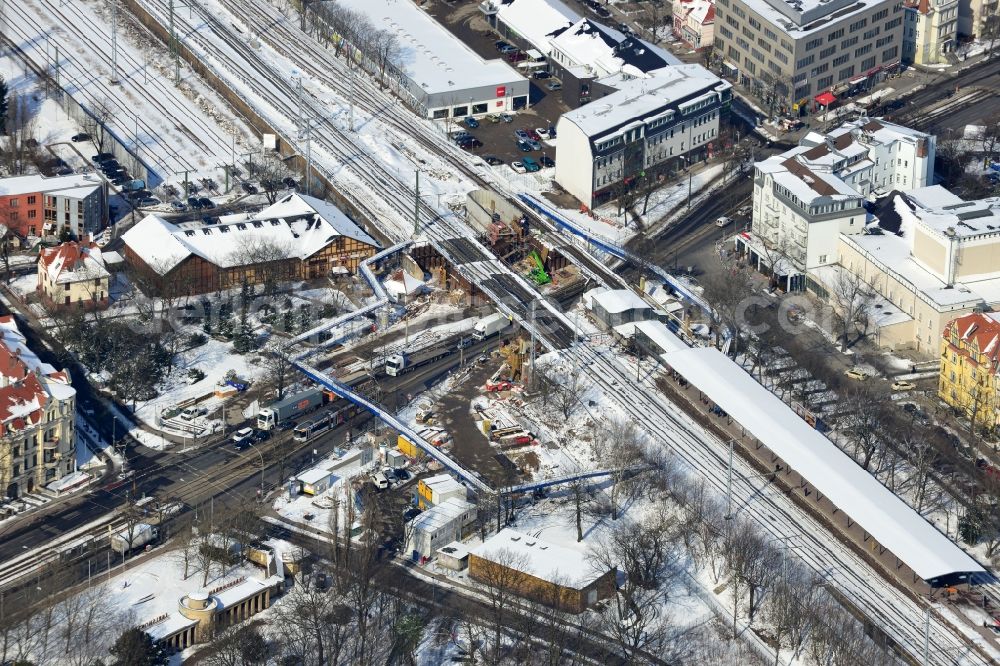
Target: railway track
{"type": "Point", "coordinates": [893, 610]}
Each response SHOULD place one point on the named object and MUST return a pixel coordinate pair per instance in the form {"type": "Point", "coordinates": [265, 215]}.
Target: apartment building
{"type": "Point", "coordinates": [937, 258]}
{"type": "Point", "coordinates": [73, 274]}
{"type": "Point", "coordinates": [976, 18]}
{"type": "Point", "coordinates": [658, 123]}
{"type": "Point", "coordinates": [806, 197]}
{"type": "Point", "coordinates": [694, 22]}
{"type": "Point", "coordinates": [970, 367]}
{"type": "Point", "coordinates": [37, 408]}
{"type": "Point", "coordinates": [930, 31]}
{"type": "Point", "coordinates": [44, 207]}
{"type": "Point", "coordinates": [808, 49]}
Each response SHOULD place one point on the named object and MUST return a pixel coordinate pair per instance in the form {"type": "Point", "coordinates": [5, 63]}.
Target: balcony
{"type": "Point", "coordinates": [49, 445]}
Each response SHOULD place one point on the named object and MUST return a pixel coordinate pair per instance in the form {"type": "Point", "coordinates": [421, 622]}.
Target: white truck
{"type": "Point", "coordinates": [289, 407]}
{"type": "Point", "coordinates": [142, 534]}
{"type": "Point", "coordinates": [490, 325]}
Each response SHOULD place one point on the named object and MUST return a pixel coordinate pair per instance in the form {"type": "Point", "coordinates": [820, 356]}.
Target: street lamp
{"type": "Point", "coordinates": [261, 469]}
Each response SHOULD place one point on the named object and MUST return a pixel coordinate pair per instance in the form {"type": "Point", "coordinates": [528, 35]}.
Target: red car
{"type": "Point", "coordinates": [517, 56]}
{"type": "Point", "coordinates": [532, 134]}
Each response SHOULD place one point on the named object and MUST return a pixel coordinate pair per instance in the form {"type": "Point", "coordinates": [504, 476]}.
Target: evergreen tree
{"type": "Point", "coordinates": [4, 103]}
{"type": "Point", "coordinates": [136, 648]}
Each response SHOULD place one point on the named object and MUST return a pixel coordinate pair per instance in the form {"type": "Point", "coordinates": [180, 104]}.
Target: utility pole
{"type": "Point", "coordinates": [927, 636]}
{"type": "Point", "coordinates": [416, 207]}
{"type": "Point", "coordinates": [185, 172]}
{"type": "Point", "coordinates": [350, 98]}
{"type": "Point", "coordinates": [729, 484]}
{"type": "Point", "coordinates": [114, 42]}
{"type": "Point", "coordinates": [531, 352]}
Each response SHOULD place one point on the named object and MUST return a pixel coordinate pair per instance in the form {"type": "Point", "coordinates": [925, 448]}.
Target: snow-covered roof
{"type": "Point", "coordinates": [602, 51]}
{"type": "Point", "coordinates": [440, 515]}
{"type": "Point", "coordinates": [442, 483]}
{"type": "Point", "coordinates": [26, 382]}
{"type": "Point", "coordinates": [656, 332]}
{"type": "Point", "coordinates": [701, 12]}
{"type": "Point", "coordinates": [73, 261]}
{"type": "Point", "coordinates": [833, 474]}
{"type": "Point", "coordinates": [430, 55]}
{"type": "Point", "coordinates": [637, 99]}
{"type": "Point", "coordinates": [537, 21]}
{"type": "Point", "coordinates": [296, 226]}
{"type": "Point", "coordinates": [801, 17]}
{"type": "Point", "coordinates": [74, 185]}
{"type": "Point", "coordinates": [314, 475]}
{"type": "Point", "coordinates": [615, 301]}
{"type": "Point", "coordinates": [933, 196]}
{"type": "Point", "coordinates": [553, 563]}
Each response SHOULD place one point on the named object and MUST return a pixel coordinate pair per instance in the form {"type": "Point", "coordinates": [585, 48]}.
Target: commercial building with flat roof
{"type": "Point", "coordinates": [46, 207]}
{"type": "Point", "coordinates": [438, 75]}
{"type": "Point", "coordinates": [650, 125]}
{"type": "Point", "coordinates": [805, 53]}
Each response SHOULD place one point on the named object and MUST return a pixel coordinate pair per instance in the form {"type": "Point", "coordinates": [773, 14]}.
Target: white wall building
{"type": "Point", "coordinates": [932, 26]}
{"type": "Point", "coordinates": [437, 526]}
{"type": "Point", "coordinates": [806, 197]}
{"type": "Point", "coordinates": [658, 123]}
{"type": "Point", "coordinates": [439, 75]}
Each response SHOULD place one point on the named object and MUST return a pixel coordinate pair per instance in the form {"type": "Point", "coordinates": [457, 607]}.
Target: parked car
{"type": "Point", "coordinates": [541, 74]}
{"type": "Point", "coordinates": [206, 203]}
{"type": "Point", "coordinates": [530, 165]}
{"type": "Point", "coordinates": [194, 412]}
{"type": "Point", "coordinates": [403, 475]}
{"type": "Point", "coordinates": [518, 167]}
{"type": "Point", "coordinates": [554, 85]}
{"type": "Point", "coordinates": [521, 135]}
{"type": "Point", "coordinates": [534, 144]}
{"type": "Point", "coordinates": [506, 50]}
{"type": "Point", "coordinates": [506, 117]}
{"type": "Point", "coordinates": [552, 131]}
{"type": "Point", "coordinates": [101, 157]}
{"type": "Point", "coordinates": [149, 201]}
{"type": "Point", "coordinates": [470, 142]}
{"type": "Point", "coordinates": [289, 182]}
{"type": "Point", "coordinates": [856, 374]}
{"type": "Point", "coordinates": [82, 136]}
{"type": "Point", "coordinates": [546, 161]}
{"type": "Point", "coordinates": [471, 122]}
{"type": "Point", "coordinates": [493, 117]}
{"type": "Point", "coordinates": [532, 134]}
{"type": "Point", "coordinates": [903, 385]}
{"type": "Point", "coordinates": [194, 202]}
{"type": "Point", "coordinates": [459, 136]}
{"type": "Point", "coordinates": [178, 206]}
{"type": "Point", "coordinates": [516, 56]}
{"type": "Point", "coordinates": [63, 170]}
{"type": "Point", "coordinates": [542, 132]}
{"type": "Point", "coordinates": [524, 145]}
{"type": "Point", "coordinates": [493, 160]}
{"type": "Point", "coordinates": [248, 188]}
{"type": "Point", "coordinates": [499, 44]}
{"type": "Point", "coordinates": [118, 181]}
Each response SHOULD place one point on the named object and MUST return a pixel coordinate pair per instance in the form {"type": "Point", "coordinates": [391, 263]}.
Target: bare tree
{"type": "Point", "coordinates": [501, 577]}
{"type": "Point", "coordinates": [277, 367]}
{"type": "Point", "coordinates": [569, 392]}
{"type": "Point", "coordinates": [752, 563]}
{"type": "Point", "coordinates": [865, 421]}
{"type": "Point", "coordinates": [271, 172]}
{"type": "Point", "coordinates": [852, 299]}
{"type": "Point", "coordinates": [729, 292]}
{"type": "Point", "coordinates": [96, 123]}
{"type": "Point", "coordinates": [242, 645]}
{"type": "Point", "coordinates": [618, 448]}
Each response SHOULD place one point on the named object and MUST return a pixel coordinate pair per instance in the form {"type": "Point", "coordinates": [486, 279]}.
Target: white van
{"type": "Point", "coordinates": [378, 478]}
{"type": "Point", "coordinates": [722, 221]}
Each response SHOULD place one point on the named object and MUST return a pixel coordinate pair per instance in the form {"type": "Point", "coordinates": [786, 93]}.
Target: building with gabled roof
{"type": "Point", "coordinates": [806, 197]}
{"type": "Point", "coordinates": [969, 378]}
{"type": "Point", "coordinates": [73, 274]}
{"type": "Point", "coordinates": [296, 238]}
{"type": "Point", "coordinates": [931, 30]}
{"type": "Point", "coordinates": [694, 22]}
{"type": "Point", "coordinates": [37, 408]}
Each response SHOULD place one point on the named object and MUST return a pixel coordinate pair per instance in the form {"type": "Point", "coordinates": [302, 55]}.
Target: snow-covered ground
{"type": "Point", "coordinates": [175, 127]}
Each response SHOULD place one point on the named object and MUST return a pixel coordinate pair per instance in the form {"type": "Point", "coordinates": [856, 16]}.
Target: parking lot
{"type": "Point", "coordinates": [465, 21]}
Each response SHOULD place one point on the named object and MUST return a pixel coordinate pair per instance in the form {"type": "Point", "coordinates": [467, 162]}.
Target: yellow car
{"type": "Point", "coordinates": [901, 385]}
{"type": "Point", "coordinates": [854, 373]}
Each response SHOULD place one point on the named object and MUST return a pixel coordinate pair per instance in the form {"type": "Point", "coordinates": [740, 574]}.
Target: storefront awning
{"type": "Point", "coordinates": [860, 79]}
{"type": "Point", "coordinates": [825, 99]}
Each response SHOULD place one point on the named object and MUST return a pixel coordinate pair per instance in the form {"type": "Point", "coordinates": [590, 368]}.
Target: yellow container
{"type": "Point", "coordinates": [407, 448]}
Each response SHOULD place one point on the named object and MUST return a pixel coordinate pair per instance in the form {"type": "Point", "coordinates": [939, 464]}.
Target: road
{"type": "Point", "coordinates": [214, 471]}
